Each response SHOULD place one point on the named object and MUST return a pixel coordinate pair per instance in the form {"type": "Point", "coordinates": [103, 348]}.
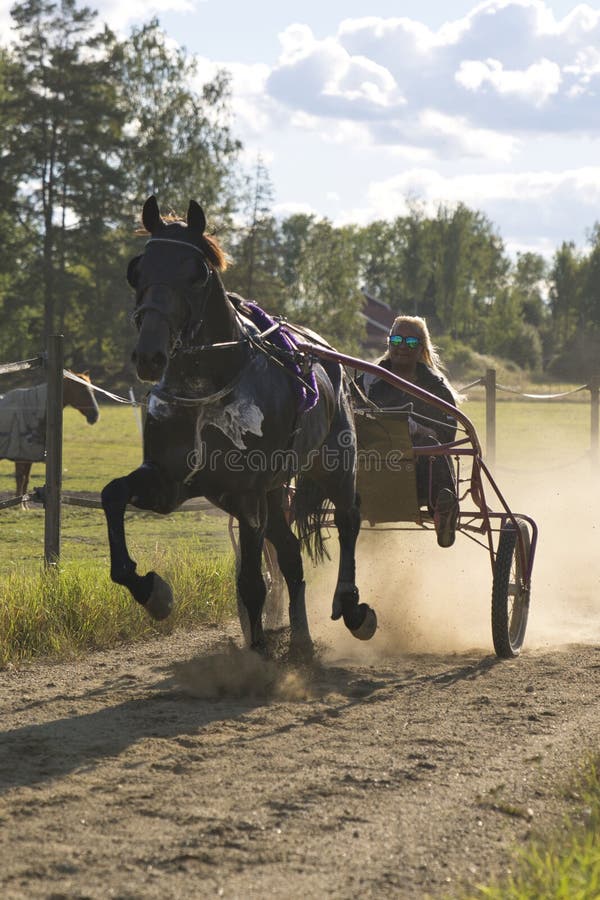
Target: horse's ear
{"type": "Point", "coordinates": [151, 215]}
{"type": "Point", "coordinates": [195, 217]}
{"type": "Point", "coordinates": [132, 271]}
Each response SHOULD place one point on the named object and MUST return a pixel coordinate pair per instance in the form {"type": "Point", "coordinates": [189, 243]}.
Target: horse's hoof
{"type": "Point", "coordinates": [159, 604]}
{"type": "Point", "coordinates": [368, 626]}
{"type": "Point", "coordinates": [302, 652]}
{"type": "Point", "coordinates": [260, 648]}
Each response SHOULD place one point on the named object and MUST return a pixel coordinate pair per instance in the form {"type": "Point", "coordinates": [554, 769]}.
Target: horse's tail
{"type": "Point", "coordinates": [309, 512]}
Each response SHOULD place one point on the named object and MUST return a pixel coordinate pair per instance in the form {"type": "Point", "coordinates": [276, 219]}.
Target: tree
{"type": "Point", "coordinates": [66, 125]}
{"type": "Point", "coordinates": [379, 249]}
{"type": "Point", "coordinates": [89, 127]}
{"type": "Point", "coordinates": [469, 271]}
{"type": "Point", "coordinates": [256, 248]}
{"type": "Point", "coordinates": [565, 290]}
{"type": "Point", "coordinates": [529, 277]}
{"type": "Point", "coordinates": [321, 271]}
{"type": "Point", "coordinates": [181, 143]}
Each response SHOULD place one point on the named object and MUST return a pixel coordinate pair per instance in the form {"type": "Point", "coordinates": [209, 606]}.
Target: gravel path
{"type": "Point", "coordinates": [154, 772]}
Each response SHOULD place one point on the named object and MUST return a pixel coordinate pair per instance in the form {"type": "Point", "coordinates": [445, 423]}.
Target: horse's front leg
{"type": "Point", "coordinates": [359, 618]}
{"type": "Point", "coordinates": [250, 582]}
{"type": "Point", "coordinates": [146, 488]}
{"type": "Point", "coordinates": [289, 559]}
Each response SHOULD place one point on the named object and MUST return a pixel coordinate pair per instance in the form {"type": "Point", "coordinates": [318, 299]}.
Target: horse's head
{"type": "Point", "coordinates": [172, 282]}
{"type": "Point", "coordinates": [78, 394]}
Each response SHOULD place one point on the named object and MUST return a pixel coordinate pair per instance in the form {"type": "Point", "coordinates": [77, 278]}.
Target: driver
{"type": "Point", "coordinates": [411, 355]}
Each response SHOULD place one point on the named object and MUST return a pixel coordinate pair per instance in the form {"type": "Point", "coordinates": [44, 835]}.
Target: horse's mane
{"type": "Point", "coordinates": [208, 243]}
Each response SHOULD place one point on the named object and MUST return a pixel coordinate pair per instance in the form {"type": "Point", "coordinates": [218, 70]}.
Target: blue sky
{"type": "Point", "coordinates": [494, 103]}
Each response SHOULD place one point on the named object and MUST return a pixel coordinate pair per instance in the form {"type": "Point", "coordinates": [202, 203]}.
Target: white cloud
{"type": "Point", "coordinates": [433, 187]}
{"type": "Point", "coordinates": [537, 208]}
{"type": "Point", "coordinates": [119, 16]}
{"type": "Point", "coordinates": [320, 77]}
{"type": "Point", "coordinates": [116, 14]}
{"type": "Point", "coordinates": [293, 208]}
{"type": "Point", "coordinates": [459, 138]}
{"type": "Point", "coordinates": [535, 84]}
{"type": "Point", "coordinates": [508, 66]}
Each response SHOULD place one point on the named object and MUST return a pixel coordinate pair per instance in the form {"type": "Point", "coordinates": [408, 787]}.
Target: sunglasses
{"type": "Point", "coordinates": [396, 340]}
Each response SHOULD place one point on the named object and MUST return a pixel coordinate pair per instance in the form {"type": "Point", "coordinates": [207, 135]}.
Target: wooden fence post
{"type": "Point", "coordinates": [54, 427]}
{"type": "Point", "coordinates": [490, 416]}
{"type": "Point", "coordinates": [594, 387]}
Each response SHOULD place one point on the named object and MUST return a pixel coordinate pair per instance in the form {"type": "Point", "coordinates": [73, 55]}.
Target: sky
{"type": "Point", "coordinates": [495, 104]}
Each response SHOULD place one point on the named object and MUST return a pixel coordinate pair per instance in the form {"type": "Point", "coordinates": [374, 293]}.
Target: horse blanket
{"type": "Point", "coordinates": [23, 424]}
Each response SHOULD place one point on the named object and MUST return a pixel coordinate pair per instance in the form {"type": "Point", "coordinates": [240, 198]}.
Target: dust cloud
{"type": "Point", "coordinates": [433, 600]}
{"type": "Point", "coordinates": [232, 672]}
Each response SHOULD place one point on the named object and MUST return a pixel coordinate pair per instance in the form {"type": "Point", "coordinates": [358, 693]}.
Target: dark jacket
{"type": "Point", "coordinates": [385, 395]}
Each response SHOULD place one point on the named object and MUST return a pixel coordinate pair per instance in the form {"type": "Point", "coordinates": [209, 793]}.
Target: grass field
{"type": "Point", "coordinates": [531, 437]}
{"type": "Point", "coordinates": [92, 456]}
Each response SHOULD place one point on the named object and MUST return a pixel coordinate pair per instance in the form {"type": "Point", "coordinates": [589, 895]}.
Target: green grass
{"type": "Point", "coordinates": [92, 456]}
{"type": "Point", "coordinates": [564, 865]}
{"type": "Point", "coordinates": [76, 607]}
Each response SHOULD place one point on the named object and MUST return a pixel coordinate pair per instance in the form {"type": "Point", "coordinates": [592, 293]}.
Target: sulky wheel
{"type": "Point", "coordinates": [510, 593]}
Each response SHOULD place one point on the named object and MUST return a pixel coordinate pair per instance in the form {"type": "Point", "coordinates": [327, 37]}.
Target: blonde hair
{"type": "Point", "coordinates": [429, 355]}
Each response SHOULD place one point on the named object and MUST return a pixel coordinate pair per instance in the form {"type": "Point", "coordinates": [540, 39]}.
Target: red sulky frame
{"type": "Point", "coordinates": [482, 520]}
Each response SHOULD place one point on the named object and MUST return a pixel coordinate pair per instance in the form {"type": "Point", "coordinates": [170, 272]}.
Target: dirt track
{"type": "Point", "coordinates": [406, 767]}
{"type": "Point", "coordinates": [402, 779]}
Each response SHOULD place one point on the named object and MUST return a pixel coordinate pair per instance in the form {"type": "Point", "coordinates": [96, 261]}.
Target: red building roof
{"type": "Point", "coordinates": [378, 318]}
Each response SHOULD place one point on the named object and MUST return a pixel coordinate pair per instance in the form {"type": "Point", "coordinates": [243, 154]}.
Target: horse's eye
{"type": "Point", "coordinates": [133, 271]}
{"type": "Point", "coordinates": [193, 271]}
{"type": "Point", "coordinates": [202, 273]}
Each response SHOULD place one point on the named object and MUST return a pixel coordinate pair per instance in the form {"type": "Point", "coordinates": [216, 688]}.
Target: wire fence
{"type": "Point", "coordinates": [492, 388]}
{"type": "Point", "coordinates": [51, 494]}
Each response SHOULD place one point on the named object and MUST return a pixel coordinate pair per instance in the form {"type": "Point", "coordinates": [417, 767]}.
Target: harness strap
{"type": "Point", "coordinates": [271, 352]}
{"type": "Point", "coordinates": [162, 394]}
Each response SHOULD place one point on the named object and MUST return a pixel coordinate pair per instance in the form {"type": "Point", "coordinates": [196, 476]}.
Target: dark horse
{"type": "Point", "coordinates": [224, 422]}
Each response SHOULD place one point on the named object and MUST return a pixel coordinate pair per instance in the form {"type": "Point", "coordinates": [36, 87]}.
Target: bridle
{"type": "Point", "coordinates": [177, 341]}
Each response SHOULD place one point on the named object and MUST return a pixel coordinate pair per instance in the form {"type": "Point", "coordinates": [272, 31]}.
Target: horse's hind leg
{"type": "Point", "coordinates": [250, 583]}
{"type": "Point", "coordinates": [289, 559]}
{"type": "Point", "coordinates": [147, 489]}
{"type": "Point", "coordinates": [22, 473]}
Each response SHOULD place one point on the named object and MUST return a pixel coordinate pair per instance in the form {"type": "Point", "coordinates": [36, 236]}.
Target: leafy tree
{"type": "Point", "coordinates": [89, 126]}
{"type": "Point", "coordinates": [322, 273]}
{"type": "Point", "coordinates": [256, 248]}
{"type": "Point", "coordinates": [380, 251]}
{"type": "Point", "coordinates": [529, 281]}
{"type": "Point", "coordinates": [469, 269]}
{"type": "Point", "coordinates": [565, 292]}
{"type": "Point", "coordinates": [181, 144]}
{"type": "Point", "coordinates": [66, 122]}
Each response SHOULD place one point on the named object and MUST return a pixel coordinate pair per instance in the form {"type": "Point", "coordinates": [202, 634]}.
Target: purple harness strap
{"type": "Point", "coordinates": [305, 387]}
